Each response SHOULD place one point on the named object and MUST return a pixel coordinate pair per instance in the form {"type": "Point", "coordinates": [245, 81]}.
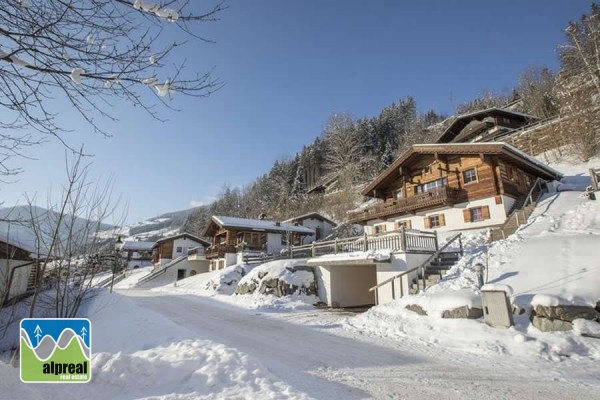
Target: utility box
{"type": "Point", "coordinates": [497, 311]}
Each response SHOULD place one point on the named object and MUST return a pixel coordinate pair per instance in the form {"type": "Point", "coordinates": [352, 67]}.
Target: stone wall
{"type": "Point", "coordinates": [560, 318]}
{"type": "Point", "coordinates": [276, 286]}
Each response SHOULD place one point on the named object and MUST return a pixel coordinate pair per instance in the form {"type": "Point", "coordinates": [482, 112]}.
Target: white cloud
{"type": "Point", "coordinates": [196, 203]}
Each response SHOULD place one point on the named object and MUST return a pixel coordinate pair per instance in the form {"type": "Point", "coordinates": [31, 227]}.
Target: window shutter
{"type": "Point", "coordinates": [384, 228]}
{"type": "Point", "coordinates": [485, 211]}
{"type": "Point", "coordinates": [467, 215]}
{"type": "Point", "coordinates": [409, 224]}
{"type": "Point", "coordinates": [442, 220]}
{"type": "Point", "coordinates": [427, 223]}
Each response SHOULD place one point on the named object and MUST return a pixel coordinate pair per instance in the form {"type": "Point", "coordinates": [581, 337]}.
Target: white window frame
{"type": "Point", "coordinates": [474, 173]}
{"type": "Point", "coordinates": [436, 218]}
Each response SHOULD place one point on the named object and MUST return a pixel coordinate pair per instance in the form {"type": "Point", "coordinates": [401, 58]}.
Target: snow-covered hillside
{"type": "Point", "coordinates": [154, 228]}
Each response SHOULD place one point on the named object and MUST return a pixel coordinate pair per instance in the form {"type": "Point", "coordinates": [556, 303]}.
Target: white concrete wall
{"type": "Point", "coordinates": [18, 286]}
{"type": "Point", "coordinates": [400, 262]}
{"type": "Point", "coordinates": [508, 202]}
{"type": "Point", "coordinates": [230, 259]}
{"type": "Point", "coordinates": [185, 244]}
{"type": "Point", "coordinates": [454, 217]}
{"type": "Point", "coordinates": [170, 276]}
{"type": "Point", "coordinates": [274, 243]}
{"type": "Point", "coordinates": [140, 263]}
{"type": "Point", "coordinates": [323, 277]}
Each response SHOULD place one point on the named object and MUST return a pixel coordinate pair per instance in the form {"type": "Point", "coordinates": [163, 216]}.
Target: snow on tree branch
{"type": "Point", "coordinates": [90, 51]}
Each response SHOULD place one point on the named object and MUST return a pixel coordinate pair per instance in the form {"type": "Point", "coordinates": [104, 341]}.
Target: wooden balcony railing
{"type": "Point", "coordinates": [218, 251]}
{"type": "Point", "coordinates": [439, 196]}
{"type": "Point", "coordinates": [404, 240]}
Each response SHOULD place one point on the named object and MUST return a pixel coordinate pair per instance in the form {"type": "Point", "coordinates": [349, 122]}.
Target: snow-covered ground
{"type": "Point", "coordinates": [196, 340]}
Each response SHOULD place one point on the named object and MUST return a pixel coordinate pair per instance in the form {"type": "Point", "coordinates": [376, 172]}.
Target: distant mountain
{"type": "Point", "coordinates": [17, 224]}
{"type": "Point", "coordinates": [156, 228]}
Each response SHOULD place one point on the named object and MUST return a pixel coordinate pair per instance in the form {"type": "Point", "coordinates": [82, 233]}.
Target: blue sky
{"type": "Point", "coordinates": [287, 66]}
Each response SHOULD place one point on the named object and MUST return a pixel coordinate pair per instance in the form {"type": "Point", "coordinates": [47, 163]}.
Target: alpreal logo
{"type": "Point", "coordinates": [56, 350]}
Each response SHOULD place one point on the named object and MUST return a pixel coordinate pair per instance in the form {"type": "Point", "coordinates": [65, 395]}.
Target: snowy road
{"type": "Point", "coordinates": [348, 365]}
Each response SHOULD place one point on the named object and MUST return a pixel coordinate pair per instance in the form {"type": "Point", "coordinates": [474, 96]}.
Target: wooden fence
{"type": "Point", "coordinates": [404, 240]}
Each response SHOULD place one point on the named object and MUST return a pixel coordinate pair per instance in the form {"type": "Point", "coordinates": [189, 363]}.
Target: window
{"type": "Point", "coordinates": [470, 175]}
{"type": "Point", "coordinates": [403, 224]}
{"type": "Point", "coordinates": [397, 194]}
{"type": "Point", "coordinates": [434, 221]}
{"type": "Point", "coordinates": [510, 173]}
{"type": "Point", "coordinates": [379, 229]}
{"type": "Point", "coordinates": [430, 186]}
{"type": "Point", "coordinates": [179, 249]}
{"type": "Point", "coordinates": [476, 214]}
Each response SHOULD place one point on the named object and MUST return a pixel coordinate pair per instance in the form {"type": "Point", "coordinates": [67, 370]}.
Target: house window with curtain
{"type": "Point", "coordinates": [430, 186]}
{"type": "Point", "coordinates": [379, 229]}
{"type": "Point", "coordinates": [434, 221]}
{"type": "Point", "coordinates": [470, 176]}
{"type": "Point", "coordinates": [476, 214]}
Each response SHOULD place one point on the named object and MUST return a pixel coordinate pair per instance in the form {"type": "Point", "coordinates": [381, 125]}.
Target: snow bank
{"type": "Point", "coordinates": [223, 281]}
{"type": "Point", "coordinates": [139, 354]}
{"type": "Point", "coordinates": [282, 270]}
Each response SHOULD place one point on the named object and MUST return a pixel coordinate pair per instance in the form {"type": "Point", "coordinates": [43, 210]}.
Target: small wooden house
{"type": "Point", "coordinates": [167, 249]}
{"type": "Point", "coordinates": [484, 125]}
{"type": "Point", "coordinates": [137, 253]}
{"type": "Point", "coordinates": [450, 187]}
{"type": "Point", "coordinates": [322, 226]}
{"type": "Point", "coordinates": [232, 237]}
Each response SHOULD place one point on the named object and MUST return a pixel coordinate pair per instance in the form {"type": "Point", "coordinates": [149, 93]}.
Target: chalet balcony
{"type": "Point", "coordinates": [218, 251]}
{"type": "Point", "coordinates": [443, 196]}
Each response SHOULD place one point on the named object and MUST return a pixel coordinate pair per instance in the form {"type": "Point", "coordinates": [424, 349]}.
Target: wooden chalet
{"type": "Point", "coordinates": [231, 235]}
{"type": "Point", "coordinates": [322, 225]}
{"type": "Point", "coordinates": [450, 186]}
{"type": "Point", "coordinates": [484, 125]}
{"type": "Point", "coordinates": [167, 249]}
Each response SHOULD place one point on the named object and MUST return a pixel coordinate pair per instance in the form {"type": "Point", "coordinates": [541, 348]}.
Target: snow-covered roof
{"type": "Point", "coordinates": [182, 235]}
{"type": "Point", "coordinates": [137, 245]}
{"type": "Point", "coordinates": [260, 225]}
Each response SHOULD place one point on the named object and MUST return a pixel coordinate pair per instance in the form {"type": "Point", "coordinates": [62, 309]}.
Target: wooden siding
{"type": "Point", "coordinates": [452, 167]}
{"type": "Point", "coordinates": [166, 249]}
{"type": "Point", "coordinates": [515, 182]}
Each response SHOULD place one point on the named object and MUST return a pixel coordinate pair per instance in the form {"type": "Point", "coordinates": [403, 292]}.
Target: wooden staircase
{"type": "Point", "coordinates": [33, 278]}
{"type": "Point", "coordinates": [434, 271]}
{"type": "Point", "coordinates": [519, 213]}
